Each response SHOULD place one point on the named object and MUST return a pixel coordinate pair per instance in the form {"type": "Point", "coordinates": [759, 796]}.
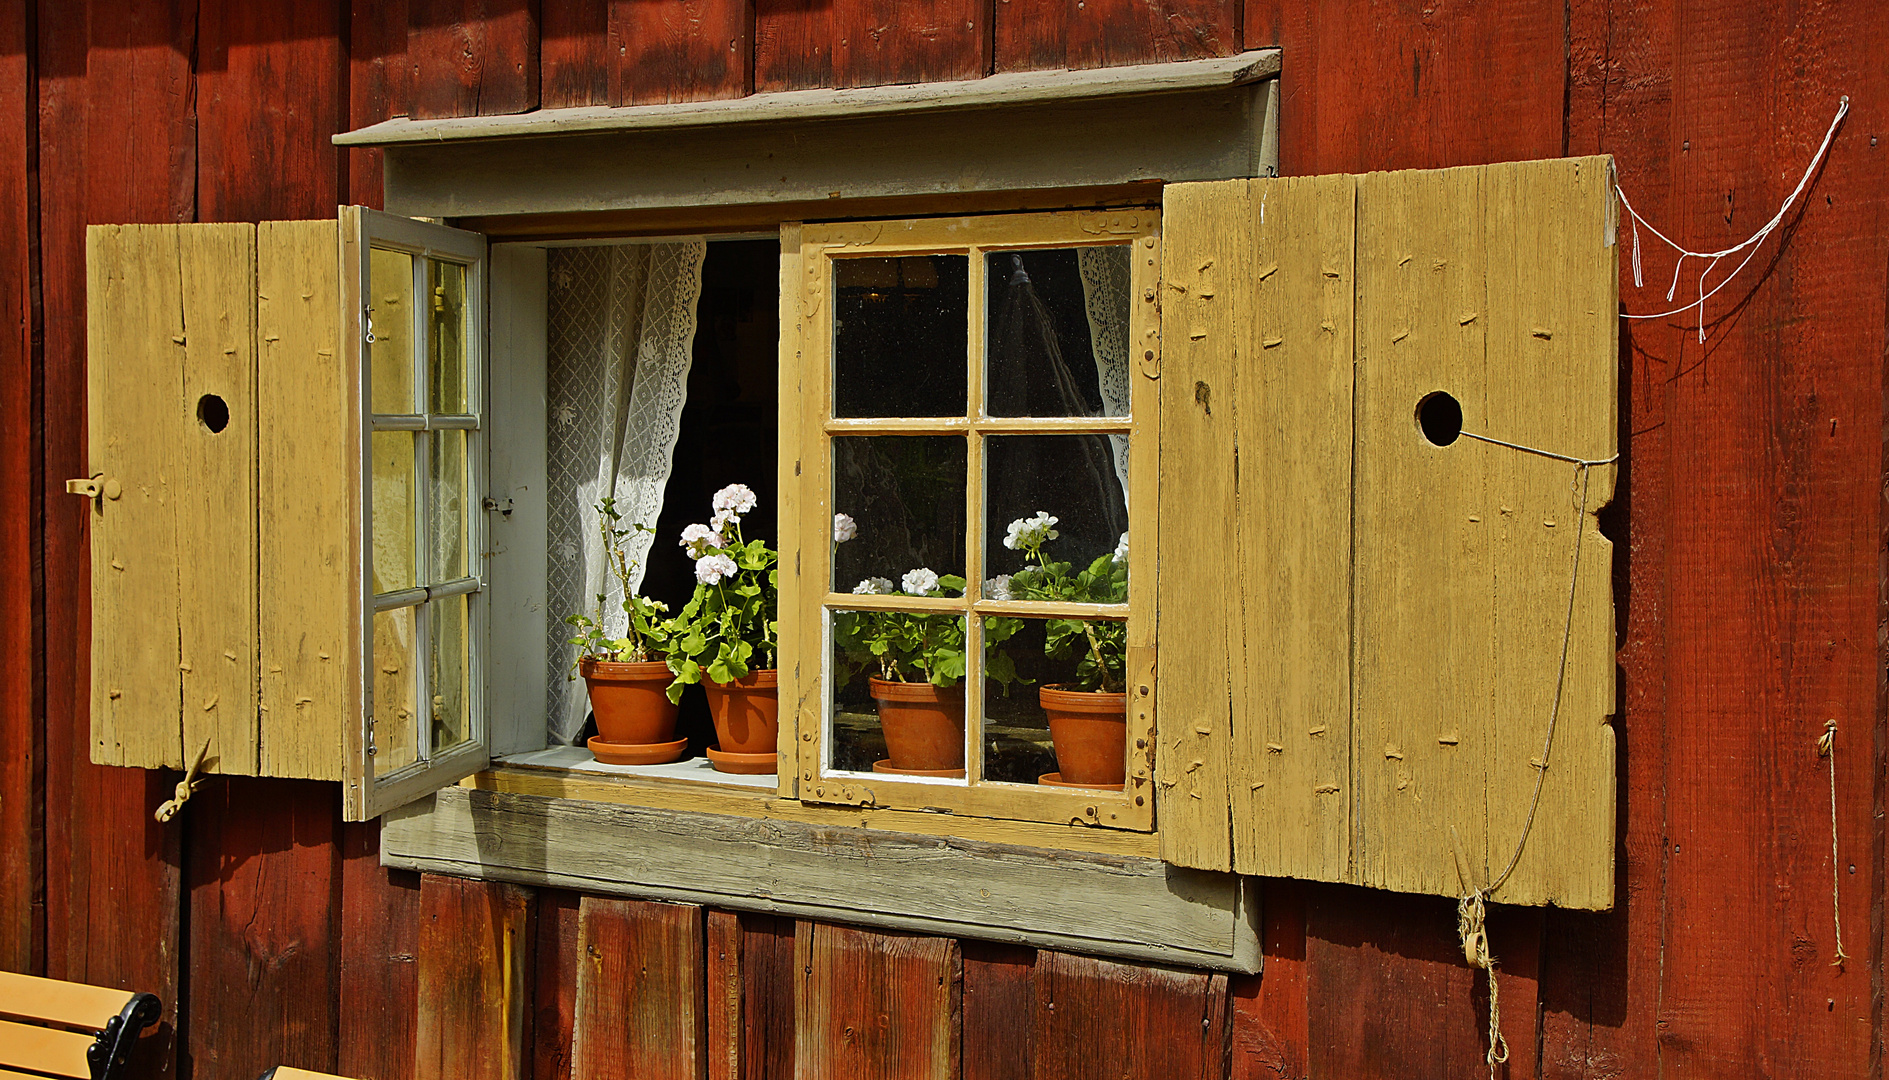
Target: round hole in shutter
{"type": "Point", "coordinates": [213, 412]}
{"type": "Point", "coordinates": [1440, 417]}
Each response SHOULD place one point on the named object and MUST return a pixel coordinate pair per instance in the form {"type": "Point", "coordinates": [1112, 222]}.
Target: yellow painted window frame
{"type": "Point", "coordinates": [806, 431]}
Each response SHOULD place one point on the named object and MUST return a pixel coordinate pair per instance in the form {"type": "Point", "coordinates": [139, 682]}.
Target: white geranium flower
{"type": "Point", "coordinates": [1121, 549]}
{"type": "Point", "coordinates": [713, 569]}
{"type": "Point", "coordinates": [844, 528]}
{"type": "Point", "coordinates": [873, 586]}
{"type": "Point", "coordinates": [721, 519]}
{"type": "Point", "coordinates": [736, 497]}
{"type": "Point", "coordinates": [1031, 531]}
{"type": "Point", "coordinates": [919, 582]}
{"type": "Point", "coordinates": [998, 588]}
{"type": "Point", "coordinates": [699, 538]}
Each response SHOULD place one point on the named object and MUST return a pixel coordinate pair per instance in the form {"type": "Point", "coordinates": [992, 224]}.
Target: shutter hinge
{"type": "Point", "coordinates": [371, 749]}
{"type": "Point", "coordinates": [95, 486]}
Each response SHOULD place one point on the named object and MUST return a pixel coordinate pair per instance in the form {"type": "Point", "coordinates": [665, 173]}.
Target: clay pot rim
{"type": "Point", "coordinates": [911, 691]}
{"type": "Point", "coordinates": [624, 671]}
{"type": "Point", "coordinates": [1085, 701]}
{"type": "Point", "coordinates": [755, 679]}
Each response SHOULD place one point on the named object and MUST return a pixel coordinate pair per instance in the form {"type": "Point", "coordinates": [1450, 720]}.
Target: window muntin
{"type": "Point", "coordinates": [858, 453]}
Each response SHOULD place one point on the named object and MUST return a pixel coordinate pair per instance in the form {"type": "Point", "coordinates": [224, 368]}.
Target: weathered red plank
{"type": "Point", "coordinates": [750, 1003]}
{"type": "Point", "coordinates": [1261, 21]}
{"type": "Point", "coordinates": [116, 143]}
{"type": "Point", "coordinates": [1771, 601]}
{"type": "Point", "coordinates": [554, 990]}
{"type": "Point", "coordinates": [1098, 1018]}
{"type": "Point", "coordinates": [1409, 84]}
{"type": "Point", "coordinates": [875, 1006]}
{"type": "Point", "coordinates": [473, 57]}
{"type": "Point", "coordinates": [380, 925]}
{"type": "Point", "coordinates": [265, 890]}
{"type": "Point", "coordinates": [869, 42]}
{"type": "Point", "coordinates": [640, 994]}
{"type": "Point", "coordinates": [1270, 1010]}
{"type": "Point", "coordinates": [575, 58]}
{"type": "Point", "coordinates": [474, 968]}
{"type": "Point", "coordinates": [22, 737]}
{"type": "Point", "coordinates": [682, 50]}
{"type": "Point", "coordinates": [380, 81]}
{"type": "Point", "coordinates": [1389, 992]}
{"type": "Point", "coordinates": [271, 90]}
{"type": "Point", "coordinates": [1037, 34]}
{"type": "Point", "coordinates": [1600, 972]}
{"type": "Point", "coordinates": [999, 1010]}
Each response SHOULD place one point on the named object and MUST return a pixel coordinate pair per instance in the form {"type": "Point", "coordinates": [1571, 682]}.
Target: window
{"type": "Point", "coordinates": [963, 381]}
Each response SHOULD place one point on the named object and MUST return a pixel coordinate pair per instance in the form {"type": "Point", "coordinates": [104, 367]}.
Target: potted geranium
{"type": "Point", "coordinates": [916, 664]}
{"type": "Point", "coordinates": [1088, 717]}
{"type": "Point", "coordinates": [725, 637]}
{"type": "Point", "coordinates": [626, 676]}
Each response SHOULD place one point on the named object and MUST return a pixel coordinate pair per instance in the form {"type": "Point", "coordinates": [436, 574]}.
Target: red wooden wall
{"type": "Point", "coordinates": [1749, 567]}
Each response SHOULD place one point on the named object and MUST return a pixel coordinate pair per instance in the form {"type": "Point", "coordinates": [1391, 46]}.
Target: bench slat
{"type": "Point", "coordinates": [49, 1001]}
{"type": "Point", "coordinates": [47, 1050]}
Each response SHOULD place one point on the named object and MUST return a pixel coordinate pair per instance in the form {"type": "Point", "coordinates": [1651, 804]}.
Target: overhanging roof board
{"type": "Point", "coordinates": [994, 91]}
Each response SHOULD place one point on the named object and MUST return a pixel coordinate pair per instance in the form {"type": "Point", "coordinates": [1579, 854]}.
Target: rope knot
{"type": "Point", "coordinates": [1471, 915]}
{"type": "Point", "coordinates": [191, 782]}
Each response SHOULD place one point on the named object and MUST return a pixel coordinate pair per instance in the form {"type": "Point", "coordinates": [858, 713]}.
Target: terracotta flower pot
{"type": "Point", "coordinates": [746, 712]}
{"type": "Point", "coordinates": [1090, 731]}
{"type": "Point", "coordinates": [924, 724]}
{"type": "Point", "coordinates": [630, 701]}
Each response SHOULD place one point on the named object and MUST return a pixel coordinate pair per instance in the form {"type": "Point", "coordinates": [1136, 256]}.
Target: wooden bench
{"type": "Point", "coordinates": [53, 1028]}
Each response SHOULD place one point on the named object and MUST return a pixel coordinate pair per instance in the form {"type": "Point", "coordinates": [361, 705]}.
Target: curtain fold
{"type": "Point", "coordinates": [620, 328]}
{"type": "Point", "coordinates": [1105, 299]}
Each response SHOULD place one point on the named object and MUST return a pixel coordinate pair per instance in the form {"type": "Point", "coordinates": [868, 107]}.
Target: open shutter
{"type": "Point", "coordinates": [227, 504]}
{"type": "Point", "coordinates": [1363, 653]}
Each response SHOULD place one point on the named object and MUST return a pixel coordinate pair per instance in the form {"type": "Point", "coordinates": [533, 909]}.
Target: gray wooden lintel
{"type": "Point", "coordinates": [1217, 132]}
{"type": "Point", "coordinates": [1134, 908]}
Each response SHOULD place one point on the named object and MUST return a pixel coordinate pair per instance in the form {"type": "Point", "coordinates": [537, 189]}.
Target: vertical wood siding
{"type": "Point", "coordinates": [1747, 530]}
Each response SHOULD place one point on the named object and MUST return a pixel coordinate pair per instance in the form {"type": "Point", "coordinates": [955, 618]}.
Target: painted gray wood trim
{"type": "Point", "coordinates": [1138, 909]}
{"type": "Point", "coordinates": [799, 106]}
{"type": "Point", "coordinates": [1216, 133]}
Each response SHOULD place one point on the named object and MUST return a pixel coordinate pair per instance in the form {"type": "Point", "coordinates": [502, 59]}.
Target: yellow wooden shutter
{"type": "Point", "coordinates": [1362, 632]}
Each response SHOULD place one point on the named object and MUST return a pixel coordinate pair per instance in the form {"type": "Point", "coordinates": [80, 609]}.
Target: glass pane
{"type": "Point", "coordinates": [446, 367]}
{"type": "Point", "coordinates": [390, 318]}
{"type": "Point", "coordinates": [1058, 332]}
{"type": "Point", "coordinates": [900, 499]}
{"type": "Point", "coordinates": [450, 487]}
{"type": "Point", "coordinates": [395, 643]}
{"type": "Point", "coordinates": [392, 464]}
{"type": "Point", "coordinates": [451, 672]}
{"type": "Point", "coordinates": [1054, 711]}
{"type": "Point", "coordinates": [900, 335]}
{"type": "Point", "coordinates": [890, 715]}
{"type": "Point", "coordinates": [1055, 508]}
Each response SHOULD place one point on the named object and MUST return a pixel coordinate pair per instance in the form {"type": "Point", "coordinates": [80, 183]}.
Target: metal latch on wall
{"type": "Point", "coordinates": [95, 487]}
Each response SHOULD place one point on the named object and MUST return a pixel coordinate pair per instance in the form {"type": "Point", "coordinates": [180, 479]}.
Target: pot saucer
{"type": "Point", "coordinates": [885, 766]}
{"type": "Point", "coordinates": [753, 764]}
{"type": "Point", "coordinates": [660, 753]}
{"type": "Point", "coordinates": [1055, 779]}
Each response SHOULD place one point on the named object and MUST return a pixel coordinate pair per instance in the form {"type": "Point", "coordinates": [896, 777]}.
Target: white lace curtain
{"type": "Point", "coordinates": [1105, 297]}
{"type": "Point", "coordinates": [620, 326]}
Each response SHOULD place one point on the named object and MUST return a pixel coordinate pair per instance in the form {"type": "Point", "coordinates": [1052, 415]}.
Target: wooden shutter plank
{"type": "Point", "coordinates": [1552, 376]}
{"type": "Point", "coordinates": [1466, 279]}
{"type": "Point", "coordinates": [1207, 236]}
{"type": "Point", "coordinates": [216, 510]}
{"type": "Point", "coordinates": [308, 484]}
{"type": "Point", "coordinates": [641, 1005]}
{"type": "Point", "coordinates": [168, 611]}
{"type": "Point", "coordinates": [1291, 777]}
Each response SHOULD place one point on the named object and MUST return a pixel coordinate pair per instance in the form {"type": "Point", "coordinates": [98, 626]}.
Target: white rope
{"type": "Point", "coordinates": [191, 782]}
{"type": "Point", "coordinates": [1827, 747]}
{"type": "Point", "coordinates": [1713, 258]}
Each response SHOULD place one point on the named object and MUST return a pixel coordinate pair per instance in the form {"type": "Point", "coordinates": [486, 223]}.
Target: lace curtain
{"type": "Point", "coordinates": [1105, 297]}
{"type": "Point", "coordinates": [620, 327]}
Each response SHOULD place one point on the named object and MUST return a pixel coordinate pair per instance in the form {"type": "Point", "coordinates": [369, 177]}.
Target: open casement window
{"type": "Point", "coordinates": [1385, 614]}
{"type": "Point", "coordinates": [253, 584]}
{"type": "Point", "coordinates": [943, 380]}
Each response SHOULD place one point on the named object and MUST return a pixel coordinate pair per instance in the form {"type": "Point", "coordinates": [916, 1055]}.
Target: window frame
{"type": "Point", "coordinates": [368, 792]}
{"type": "Point", "coordinates": [807, 429]}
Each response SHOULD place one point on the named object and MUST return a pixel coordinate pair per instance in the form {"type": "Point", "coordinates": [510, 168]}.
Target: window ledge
{"type": "Point", "coordinates": [1113, 905]}
{"type": "Point", "coordinates": [1009, 89]}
